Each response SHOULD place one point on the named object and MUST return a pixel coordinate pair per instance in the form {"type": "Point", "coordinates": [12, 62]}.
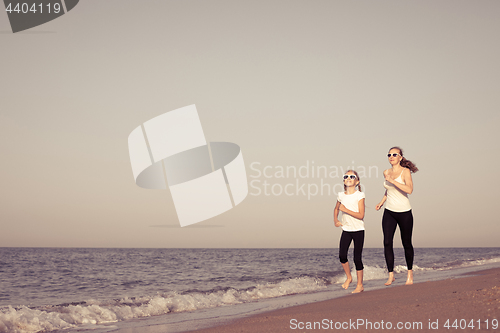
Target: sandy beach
{"type": "Point", "coordinates": [474, 301]}
{"type": "Point", "coordinates": [467, 303]}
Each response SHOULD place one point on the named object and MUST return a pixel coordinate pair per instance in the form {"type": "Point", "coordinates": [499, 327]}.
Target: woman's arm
{"type": "Point", "coordinates": [336, 215]}
{"type": "Point", "coordinates": [361, 207]}
{"type": "Point", "coordinates": [381, 203]}
{"type": "Point", "coordinates": [407, 187]}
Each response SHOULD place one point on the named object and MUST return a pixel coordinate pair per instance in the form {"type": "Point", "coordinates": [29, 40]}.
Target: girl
{"type": "Point", "coordinates": [351, 203]}
{"type": "Point", "coordinates": [398, 185]}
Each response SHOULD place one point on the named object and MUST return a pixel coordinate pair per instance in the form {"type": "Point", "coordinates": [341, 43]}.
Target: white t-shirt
{"type": "Point", "coordinates": [350, 201]}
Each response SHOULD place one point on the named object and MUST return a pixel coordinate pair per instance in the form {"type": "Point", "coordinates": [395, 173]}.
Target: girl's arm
{"type": "Point", "coordinates": [336, 215]}
{"type": "Point", "coordinates": [407, 187]}
{"type": "Point", "coordinates": [361, 207]}
{"type": "Point", "coordinates": [381, 203]}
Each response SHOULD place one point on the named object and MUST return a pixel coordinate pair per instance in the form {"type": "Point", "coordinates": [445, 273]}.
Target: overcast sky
{"type": "Point", "coordinates": [296, 84]}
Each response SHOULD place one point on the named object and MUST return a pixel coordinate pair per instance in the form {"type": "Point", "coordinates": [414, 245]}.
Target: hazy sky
{"type": "Point", "coordinates": [293, 83]}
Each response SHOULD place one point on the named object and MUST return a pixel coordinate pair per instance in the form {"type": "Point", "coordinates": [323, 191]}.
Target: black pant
{"type": "Point", "coordinates": [345, 242]}
{"type": "Point", "coordinates": [389, 222]}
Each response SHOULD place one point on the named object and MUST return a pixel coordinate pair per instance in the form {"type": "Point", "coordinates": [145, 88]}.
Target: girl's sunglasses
{"type": "Point", "coordinates": [349, 176]}
{"type": "Point", "coordinates": [393, 155]}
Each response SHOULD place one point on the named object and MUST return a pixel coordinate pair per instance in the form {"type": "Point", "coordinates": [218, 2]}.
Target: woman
{"type": "Point", "coordinates": [398, 185]}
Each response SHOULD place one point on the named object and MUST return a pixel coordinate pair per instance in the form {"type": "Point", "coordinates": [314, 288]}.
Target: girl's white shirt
{"type": "Point", "coordinates": [350, 201]}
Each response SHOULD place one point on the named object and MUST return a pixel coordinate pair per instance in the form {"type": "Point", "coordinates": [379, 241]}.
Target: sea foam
{"type": "Point", "coordinates": [49, 318]}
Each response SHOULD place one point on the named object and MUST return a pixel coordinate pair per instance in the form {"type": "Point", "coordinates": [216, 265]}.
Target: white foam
{"type": "Point", "coordinates": [375, 273]}
{"type": "Point", "coordinates": [404, 269]}
{"type": "Point", "coordinates": [29, 320]}
{"type": "Point", "coordinates": [478, 262]}
{"type": "Point", "coordinates": [24, 320]}
{"type": "Point", "coordinates": [369, 273]}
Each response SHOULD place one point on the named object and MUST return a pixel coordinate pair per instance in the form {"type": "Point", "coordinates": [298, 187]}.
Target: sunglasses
{"type": "Point", "coordinates": [393, 155]}
{"type": "Point", "coordinates": [349, 176]}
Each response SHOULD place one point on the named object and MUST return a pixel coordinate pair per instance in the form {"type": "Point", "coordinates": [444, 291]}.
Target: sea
{"type": "Point", "coordinates": [105, 290]}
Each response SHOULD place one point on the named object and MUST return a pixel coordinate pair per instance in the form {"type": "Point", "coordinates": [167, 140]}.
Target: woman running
{"type": "Point", "coordinates": [397, 212]}
{"type": "Point", "coordinates": [351, 203]}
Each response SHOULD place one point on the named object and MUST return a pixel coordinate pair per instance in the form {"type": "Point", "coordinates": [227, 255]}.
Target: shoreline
{"type": "Point", "coordinates": [470, 293]}
{"type": "Point", "coordinates": [472, 300]}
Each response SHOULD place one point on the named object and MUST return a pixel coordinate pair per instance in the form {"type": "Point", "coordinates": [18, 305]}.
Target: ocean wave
{"type": "Point", "coordinates": [49, 318]}
{"type": "Point", "coordinates": [375, 273]}
{"type": "Point", "coordinates": [91, 313]}
{"type": "Point", "coordinates": [468, 263]}
{"type": "Point", "coordinates": [369, 273]}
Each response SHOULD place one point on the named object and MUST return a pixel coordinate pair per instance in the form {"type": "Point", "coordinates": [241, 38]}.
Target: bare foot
{"type": "Point", "coordinates": [409, 280]}
{"type": "Point", "coordinates": [390, 280]}
{"type": "Point", "coordinates": [347, 283]}
{"type": "Point", "coordinates": [358, 289]}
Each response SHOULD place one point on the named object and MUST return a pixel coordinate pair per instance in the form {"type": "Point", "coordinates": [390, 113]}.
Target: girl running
{"type": "Point", "coordinates": [398, 184]}
{"type": "Point", "coordinates": [351, 203]}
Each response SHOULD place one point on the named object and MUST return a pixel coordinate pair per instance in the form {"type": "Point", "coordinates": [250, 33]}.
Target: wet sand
{"type": "Point", "coordinates": [420, 307]}
{"type": "Point", "coordinates": [469, 303]}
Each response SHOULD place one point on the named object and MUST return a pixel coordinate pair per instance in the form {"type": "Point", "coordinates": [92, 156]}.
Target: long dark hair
{"type": "Point", "coordinates": [404, 162]}
{"type": "Point", "coordinates": [357, 176]}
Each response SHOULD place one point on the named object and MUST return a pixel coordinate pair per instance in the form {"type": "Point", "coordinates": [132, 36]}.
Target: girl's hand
{"type": "Point", "coordinates": [377, 207]}
{"type": "Point", "coordinates": [342, 208]}
{"type": "Point", "coordinates": [338, 224]}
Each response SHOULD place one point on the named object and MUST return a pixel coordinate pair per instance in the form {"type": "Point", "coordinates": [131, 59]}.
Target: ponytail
{"type": "Point", "coordinates": [359, 188]}
{"type": "Point", "coordinates": [408, 164]}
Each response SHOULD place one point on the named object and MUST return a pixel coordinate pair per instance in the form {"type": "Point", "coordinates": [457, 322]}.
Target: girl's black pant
{"type": "Point", "coordinates": [345, 241]}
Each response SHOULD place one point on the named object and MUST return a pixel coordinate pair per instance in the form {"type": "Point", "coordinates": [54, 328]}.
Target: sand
{"type": "Point", "coordinates": [468, 303]}
{"type": "Point", "coordinates": [472, 300]}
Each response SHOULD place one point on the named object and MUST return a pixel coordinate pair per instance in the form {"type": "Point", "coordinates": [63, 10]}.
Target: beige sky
{"type": "Point", "coordinates": [290, 82]}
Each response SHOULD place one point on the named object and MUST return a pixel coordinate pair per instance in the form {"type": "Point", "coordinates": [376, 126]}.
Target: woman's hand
{"type": "Point", "coordinates": [388, 179]}
{"type": "Point", "coordinates": [338, 224]}
{"type": "Point", "coordinates": [381, 203]}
